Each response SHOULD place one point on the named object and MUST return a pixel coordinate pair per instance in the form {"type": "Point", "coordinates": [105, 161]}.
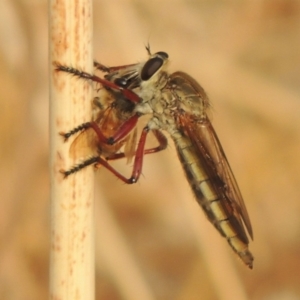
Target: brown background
{"type": "Point", "coordinates": [152, 237]}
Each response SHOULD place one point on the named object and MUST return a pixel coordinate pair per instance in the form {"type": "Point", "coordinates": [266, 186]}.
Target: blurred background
{"type": "Point", "coordinates": [153, 241]}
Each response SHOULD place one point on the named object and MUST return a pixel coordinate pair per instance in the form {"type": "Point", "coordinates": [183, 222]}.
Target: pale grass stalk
{"type": "Point", "coordinates": [72, 199]}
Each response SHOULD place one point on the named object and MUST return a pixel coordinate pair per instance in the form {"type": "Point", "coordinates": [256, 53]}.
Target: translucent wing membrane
{"type": "Point", "coordinates": [205, 140]}
{"type": "Point", "coordinates": [206, 165]}
{"type": "Point", "coordinates": [84, 145]}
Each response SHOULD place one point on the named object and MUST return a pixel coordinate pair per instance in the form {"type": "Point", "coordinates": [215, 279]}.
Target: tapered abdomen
{"type": "Point", "coordinates": [209, 189]}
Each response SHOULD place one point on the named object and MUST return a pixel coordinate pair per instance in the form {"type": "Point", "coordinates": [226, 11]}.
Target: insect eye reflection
{"type": "Point", "coordinates": [121, 82]}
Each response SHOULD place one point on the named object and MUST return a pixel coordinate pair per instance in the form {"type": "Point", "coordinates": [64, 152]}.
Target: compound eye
{"type": "Point", "coordinates": [151, 67]}
{"type": "Point", "coordinates": [121, 82]}
{"type": "Point", "coordinates": [164, 55]}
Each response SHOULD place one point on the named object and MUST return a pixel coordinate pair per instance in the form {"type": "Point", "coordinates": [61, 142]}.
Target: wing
{"type": "Point", "coordinates": [204, 136]}
{"type": "Point", "coordinates": [195, 124]}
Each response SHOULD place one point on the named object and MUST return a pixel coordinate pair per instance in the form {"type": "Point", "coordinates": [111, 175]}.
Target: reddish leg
{"type": "Point", "coordinates": [105, 164]}
{"type": "Point", "coordinates": [163, 142]}
{"type": "Point", "coordinates": [97, 160]}
{"type": "Point", "coordinates": [122, 131]}
{"type": "Point", "coordinates": [76, 168]}
{"type": "Point", "coordinates": [138, 162]}
{"type": "Point", "coordinates": [128, 94]}
{"type": "Point", "coordinates": [105, 69]}
{"type": "Point", "coordinates": [101, 67]}
{"type": "Point", "coordinates": [81, 127]}
{"type": "Point", "coordinates": [139, 156]}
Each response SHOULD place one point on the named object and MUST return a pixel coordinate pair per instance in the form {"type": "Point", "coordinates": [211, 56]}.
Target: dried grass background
{"type": "Point", "coordinates": [153, 241]}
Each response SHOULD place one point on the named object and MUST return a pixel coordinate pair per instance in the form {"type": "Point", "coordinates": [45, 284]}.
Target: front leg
{"type": "Point", "coordinates": [106, 69]}
{"type": "Point", "coordinates": [120, 133]}
{"type": "Point", "coordinates": [127, 93]}
{"type": "Point", "coordinates": [138, 160]}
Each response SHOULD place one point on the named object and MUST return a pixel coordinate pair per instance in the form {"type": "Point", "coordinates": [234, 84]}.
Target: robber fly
{"type": "Point", "coordinates": [178, 105]}
{"type": "Point", "coordinates": [112, 128]}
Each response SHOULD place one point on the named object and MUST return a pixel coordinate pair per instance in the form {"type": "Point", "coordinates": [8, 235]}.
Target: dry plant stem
{"type": "Point", "coordinates": [72, 199]}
